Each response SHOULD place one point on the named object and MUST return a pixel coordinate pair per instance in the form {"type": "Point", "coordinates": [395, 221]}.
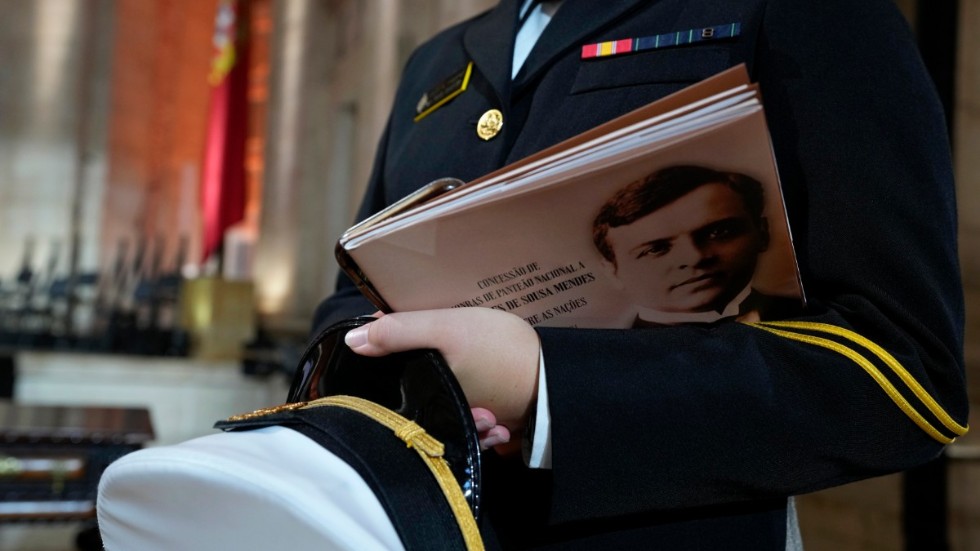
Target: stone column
{"type": "Point", "coordinates": [53, 108]}
{"type": "Point", "coordinates": [276, 259]}
{"type": "Point", "coordinates": [967, 140]}
{"type": "Point", "coordinates": [964, 504]}
{"type": "Point", "coordinates": [335, 72]}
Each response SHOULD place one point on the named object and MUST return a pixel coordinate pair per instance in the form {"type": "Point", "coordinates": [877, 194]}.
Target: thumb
{"type": "Point", "coordinates": [391, 333]}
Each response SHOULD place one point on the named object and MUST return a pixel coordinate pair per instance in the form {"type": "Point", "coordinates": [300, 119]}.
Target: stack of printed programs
{"type": "Point", "coordinates": [671, 213]}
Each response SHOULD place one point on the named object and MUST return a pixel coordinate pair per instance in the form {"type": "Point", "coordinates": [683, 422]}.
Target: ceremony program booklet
{"type": "Point", "coordinates": [536, 238]}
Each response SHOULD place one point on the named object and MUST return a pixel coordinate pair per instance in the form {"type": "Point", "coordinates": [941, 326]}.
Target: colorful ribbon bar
{"type": "Point", "coordinates": [666, 40]}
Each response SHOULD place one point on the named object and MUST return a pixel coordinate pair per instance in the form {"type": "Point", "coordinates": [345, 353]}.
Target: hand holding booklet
{"type": "Point", "coordinates": [672, 213]}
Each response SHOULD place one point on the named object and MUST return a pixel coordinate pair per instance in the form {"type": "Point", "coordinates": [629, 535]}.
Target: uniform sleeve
{"type": "Point", "coordinates": [869, 380]}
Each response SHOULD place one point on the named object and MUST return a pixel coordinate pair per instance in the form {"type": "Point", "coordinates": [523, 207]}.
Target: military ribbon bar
{"type": "Point", "coordinates": [666, 40]}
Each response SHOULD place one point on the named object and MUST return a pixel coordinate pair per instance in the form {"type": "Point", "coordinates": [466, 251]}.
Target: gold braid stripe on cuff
{"type": "Point", "coordinates": [428, 448]}
{"type": "Point", "coordinates": [873, 371]}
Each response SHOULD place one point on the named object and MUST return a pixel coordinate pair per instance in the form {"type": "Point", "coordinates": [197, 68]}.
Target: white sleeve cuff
{"type": "Point", "coordinates": [540, 457]}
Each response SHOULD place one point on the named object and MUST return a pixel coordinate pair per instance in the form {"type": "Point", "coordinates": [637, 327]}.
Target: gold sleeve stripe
{"type": "Point", "coordinates": [428, 448]}
{"type": "Point", "coordinates": [871, 370]}
{"type": "Point", "coordinates": [885, 357]}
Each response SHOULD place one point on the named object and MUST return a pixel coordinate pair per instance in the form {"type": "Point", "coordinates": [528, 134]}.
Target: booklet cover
{"type": "Point", "coordinates": [672, 213]}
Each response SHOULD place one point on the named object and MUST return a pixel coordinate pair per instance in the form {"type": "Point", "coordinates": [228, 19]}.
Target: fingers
{"type": "Point", "coordinates": [493, 354]}
{"type": "Point", "coordinates": [484, 419]}
{"type": "Point", "coordinates": [494, 437]}
{"type": "Point", "coordinates": [490, 433]}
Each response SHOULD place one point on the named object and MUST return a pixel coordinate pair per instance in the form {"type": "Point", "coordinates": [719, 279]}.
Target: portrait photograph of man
{"type": "Point", "coordinates": [684, 244]}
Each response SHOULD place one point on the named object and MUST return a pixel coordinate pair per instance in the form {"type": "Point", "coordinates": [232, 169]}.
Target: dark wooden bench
{"type": "Point", "coordinates": [51, 457]}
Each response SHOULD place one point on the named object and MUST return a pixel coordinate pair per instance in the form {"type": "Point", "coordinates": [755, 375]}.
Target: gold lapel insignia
{"type": "Point", "coordinates": [441, 93]}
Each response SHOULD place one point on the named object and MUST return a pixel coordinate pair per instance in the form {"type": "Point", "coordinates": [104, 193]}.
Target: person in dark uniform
{"type": "Point", "coordinates": [694, 437]}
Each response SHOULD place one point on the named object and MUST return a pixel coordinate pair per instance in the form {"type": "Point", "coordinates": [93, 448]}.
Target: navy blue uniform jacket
{"type": "Point", "coordinates": [692, 437]}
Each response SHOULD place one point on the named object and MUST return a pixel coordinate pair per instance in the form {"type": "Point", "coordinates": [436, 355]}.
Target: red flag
{"type": "Point", "coordinates": [223, 181]}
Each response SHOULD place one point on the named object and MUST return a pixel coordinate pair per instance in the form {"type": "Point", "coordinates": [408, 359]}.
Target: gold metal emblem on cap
{"type": "Point", "coordinates": [262, 412]}
{"type": "Point", "coordinates": [490, 124]}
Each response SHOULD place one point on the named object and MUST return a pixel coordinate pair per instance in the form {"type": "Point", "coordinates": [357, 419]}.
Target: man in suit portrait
{"type": "Point", "coordinates": [684, 243]}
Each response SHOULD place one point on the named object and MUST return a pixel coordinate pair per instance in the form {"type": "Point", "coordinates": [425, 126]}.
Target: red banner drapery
{"type": "Point", "coordinates": [223, 180]}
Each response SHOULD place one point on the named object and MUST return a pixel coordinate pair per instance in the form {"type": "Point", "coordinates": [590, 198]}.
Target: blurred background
{"type": "Point", "coordinates": [173, 176]}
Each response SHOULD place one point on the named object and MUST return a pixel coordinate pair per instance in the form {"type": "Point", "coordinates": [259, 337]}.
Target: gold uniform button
{"type": "Point", "coordinates": [490, 124]}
